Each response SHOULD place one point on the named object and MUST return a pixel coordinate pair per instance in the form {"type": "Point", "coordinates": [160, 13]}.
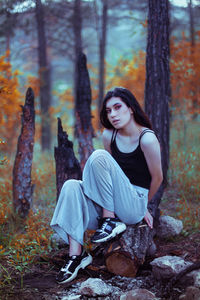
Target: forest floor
{"type": "Point", "coordinates": [39, 283]}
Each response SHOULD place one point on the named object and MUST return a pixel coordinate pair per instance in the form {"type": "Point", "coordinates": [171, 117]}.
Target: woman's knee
{"type": "Point", "coordinates": [99, 156]}
{"type": "Point", "coordinates": [71, 193]}
{"type": "Point", "coordinates": [71, 185]}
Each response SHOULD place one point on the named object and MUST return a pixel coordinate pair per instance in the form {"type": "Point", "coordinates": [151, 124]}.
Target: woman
{"type": "Point", "coordinates": [117, 183]}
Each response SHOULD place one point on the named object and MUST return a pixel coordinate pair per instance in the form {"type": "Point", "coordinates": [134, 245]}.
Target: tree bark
{"type": "Point", "coordinates": [191, 18]}
{"type": "Point", "coordinates": [82, 92]}
{"type": "Point", "coordinates": [67, 166]}
{"type": "Point", "coordinates": [8, 35]}
{"type": "Point", "coordinates": [44, 75]}
{"type": "Point", "coordinates": [102, 53]}
{"type": "Point", "coordinates": [22, 187]}
{"type": "Point", "coordinates": [77, 26]}
{"type": "Point", "coordinates": [192, 51]}
{"type": "Point", "coordinates": [157, 86]}
{"type": "Point", "coordinates": [124, 255]}
{"type": "Point", "coordinates": [84, 128]}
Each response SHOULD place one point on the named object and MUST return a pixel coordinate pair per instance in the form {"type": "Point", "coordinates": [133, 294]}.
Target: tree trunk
{"type": "Point", "coordinates": [77, 26]}
{"type": "Point", "coordinates": [22, 187]}
{"type": "Point", "coordinates": [8, 36]}
{"type": "Point", "coordinates": [192, 51]}
{"type": "Point", "coordinates": [102, 53]}
{"type": "Point", "coordinates": [67, 166]}
{"type": "Point", "coordinates": [44, 74]}
{"type": "Point", "coordinates": [82, 92]}
{"type": "Point", "coordinates": [157, 88]}
{"type": "Point", "coordinates": [191, 17]}
{"type": "Point", "coordinates": [83, 111]}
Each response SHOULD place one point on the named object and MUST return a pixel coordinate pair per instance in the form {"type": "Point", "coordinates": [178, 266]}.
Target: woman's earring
{"type": "Point", "coordinates": [131, 111]}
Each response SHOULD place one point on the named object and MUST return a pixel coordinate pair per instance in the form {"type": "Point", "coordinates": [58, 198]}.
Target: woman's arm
{"type": "Point", "coordinates": [151, 148]}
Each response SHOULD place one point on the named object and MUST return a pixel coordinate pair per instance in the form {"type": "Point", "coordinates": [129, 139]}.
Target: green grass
{"type": "Point", "coordinates": [184, 171]}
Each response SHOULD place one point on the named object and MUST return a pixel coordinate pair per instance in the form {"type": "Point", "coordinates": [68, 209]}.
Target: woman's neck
{"type": "Point", "coordinates": [132, 129]}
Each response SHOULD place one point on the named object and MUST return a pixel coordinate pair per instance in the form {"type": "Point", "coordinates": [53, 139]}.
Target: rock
{"type": "Point", "coordinates": [151, 249]}
{"type": "Point", "coordinates": [169, 227]}
{"type": "Point", "coordinates": [95, 287]}
{"type": "Point", "coordinates": [192, 293]}
{"type": "Point", "coordinates": [71, 297]}
{"type": "Point", "coordinates": [194, 277]}
{"type": "Point", "coordinates": [138, 294]}
{"type": "Point", "coordinates": [167, 266]}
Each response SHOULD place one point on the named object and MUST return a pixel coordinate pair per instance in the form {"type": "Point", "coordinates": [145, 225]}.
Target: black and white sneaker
{"type": "Point", "coordinates": [72, 265]}
{"type": "Point", "coordinates": [109, 228]}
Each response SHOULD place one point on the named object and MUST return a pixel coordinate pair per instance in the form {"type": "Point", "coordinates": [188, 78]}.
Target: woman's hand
{"type": "Point", "coordinates": [149, 219]}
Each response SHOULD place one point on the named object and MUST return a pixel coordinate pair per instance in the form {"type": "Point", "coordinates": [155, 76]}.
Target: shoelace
{"type": "Point", "coordinates": [68, 264]}
{"type": "Point", "coordinates": [103, 226]}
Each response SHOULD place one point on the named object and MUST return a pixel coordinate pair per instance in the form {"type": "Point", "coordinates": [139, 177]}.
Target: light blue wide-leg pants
{"type": "Point", "coordinates": [104, 185]}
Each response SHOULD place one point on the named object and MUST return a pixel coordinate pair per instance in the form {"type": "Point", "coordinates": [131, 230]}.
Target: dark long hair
{"type": "Point", "coordinates": [129, 99]}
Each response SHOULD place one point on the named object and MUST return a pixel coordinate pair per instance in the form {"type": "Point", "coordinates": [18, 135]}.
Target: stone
{"type": "Point", "coordinates": [193, 276]}
{"type": "Point", "coordinates": [196, 277]}
{"type": "Point", "coordinates": [151, 249]}
{"type": "Point", "coordinates": [192, 293]}
{"type": "Point", "coordinates": [169, 227]}
{"type": "Point", "coordinates": [95, 287]}
{"type": "Point", "coordinates": [138, 294]}
{"type": "Point", "coordinates": [165, 267]}
{"type": "Point", "coordinates": [71, 297]}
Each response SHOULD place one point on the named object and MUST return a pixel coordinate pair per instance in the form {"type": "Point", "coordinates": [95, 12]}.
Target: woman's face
{"type": "Point", "coordinates": [118, 113]}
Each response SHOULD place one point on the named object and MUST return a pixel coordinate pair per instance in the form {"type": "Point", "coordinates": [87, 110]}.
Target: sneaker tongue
{"type": "Point", "coordinates": [73, 256]}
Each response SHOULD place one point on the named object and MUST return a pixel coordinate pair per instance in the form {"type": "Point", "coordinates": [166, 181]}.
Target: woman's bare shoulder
{"type": "Point", "coordinates": [107, 133]}
{"type": "Point", "coordinates": [148, 139]}
{"type": "Point", "coordinates": [106, 138]}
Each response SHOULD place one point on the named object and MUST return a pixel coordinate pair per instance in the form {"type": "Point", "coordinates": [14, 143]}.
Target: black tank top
{"type": "Point", "coordinates": [134, 163]}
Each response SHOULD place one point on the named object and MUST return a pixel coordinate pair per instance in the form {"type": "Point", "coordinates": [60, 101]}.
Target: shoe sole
{"type": "Point", "coordinates": [85, 262]}
{"type": "Point", "coordinates": [116, 231]}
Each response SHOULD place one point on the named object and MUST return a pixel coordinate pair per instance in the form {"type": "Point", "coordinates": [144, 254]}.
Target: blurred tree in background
{"type": "Point", "coordinates": [44, 76]}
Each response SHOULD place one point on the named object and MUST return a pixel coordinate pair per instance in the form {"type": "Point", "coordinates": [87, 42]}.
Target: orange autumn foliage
{"type": "Point", "coordinates": [185, 76]}
{"type": "Point", "coordinates": [34, 83]}
{"type": "Point", "coordinates": [11, 99]}
{"type": "Point", "coordinates": [129, 74]}
{"type": "Point", "coordinates": [64, 110]}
